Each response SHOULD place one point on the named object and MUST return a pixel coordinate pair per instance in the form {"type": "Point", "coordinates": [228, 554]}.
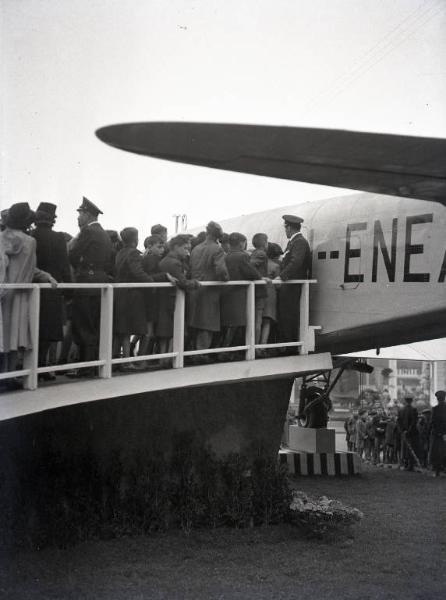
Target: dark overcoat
{"type": "Point", "coordinates": [408, 420]}
{"type": "Point", "coordinates": [130, 304]}
{"type": "Point", "coordinates": [438, 433]}
{"type": "Point", "coordinates": [296, 264]}
{"type": "Point", "coordinates": [90, 254]}
{"type": "Point", "coordinates": [233, 299]}
{"type": "Point", "coordinates": [207, 263]}
{"type": "Point", "coordinates": [150, 264]}
{"type": "Point", "coordinates": [52, 257]}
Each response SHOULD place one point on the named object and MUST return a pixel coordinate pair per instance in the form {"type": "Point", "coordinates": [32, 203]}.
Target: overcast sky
{"type": "Point", "coordinates": [71, 66]}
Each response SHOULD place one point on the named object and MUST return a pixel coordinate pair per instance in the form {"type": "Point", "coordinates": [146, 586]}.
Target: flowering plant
{"type": "Point", "coordinates": [321, 515]}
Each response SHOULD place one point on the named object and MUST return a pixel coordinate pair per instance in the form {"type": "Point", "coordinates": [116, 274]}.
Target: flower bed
{"type": "Point", "coordinates": [317, 517]}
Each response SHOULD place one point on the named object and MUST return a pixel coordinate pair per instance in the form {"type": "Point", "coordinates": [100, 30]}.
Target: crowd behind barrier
{"type": "Point", "coordinates": [400, 435]}
{"type": "Point", "coordinates": [147, 287]}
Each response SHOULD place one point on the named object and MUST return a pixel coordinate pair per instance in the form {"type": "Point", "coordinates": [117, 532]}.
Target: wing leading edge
{"type": "Point", "coordinates": [412, 167]}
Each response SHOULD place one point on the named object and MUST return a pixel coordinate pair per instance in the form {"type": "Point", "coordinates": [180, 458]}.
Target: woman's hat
{"type": "Point", "coordinates": [19, 216]}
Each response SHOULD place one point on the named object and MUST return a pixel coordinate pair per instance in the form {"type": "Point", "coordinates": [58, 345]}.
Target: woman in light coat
{"type": "Point", "coordinates": [20, 250]}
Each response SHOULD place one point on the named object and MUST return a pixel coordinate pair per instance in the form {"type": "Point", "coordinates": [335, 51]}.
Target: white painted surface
{"type": "Point", "coordinates": [307, 439]}
{"type": "Point", "coordinates": [21, 403]}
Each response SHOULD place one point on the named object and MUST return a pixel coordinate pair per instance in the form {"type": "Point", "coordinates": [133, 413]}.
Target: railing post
{"type": "Point", "coordinates": [106, 332]}
{"type": "Point", "coordinates": [251, 322]}
{"type": "Point", "coordinates": [178, 328]}
{"type": "Point", "coordinates": [31, 358]}
{"type": "Point", "coordinates": [304, 317]}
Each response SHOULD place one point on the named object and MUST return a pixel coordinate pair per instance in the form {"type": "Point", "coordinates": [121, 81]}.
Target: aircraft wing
{"type": "Point", "coordinates": [412, 167]}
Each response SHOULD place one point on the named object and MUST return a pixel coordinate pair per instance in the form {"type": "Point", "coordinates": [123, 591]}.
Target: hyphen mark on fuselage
{"type": "Point", "coordinates": [389, 258]}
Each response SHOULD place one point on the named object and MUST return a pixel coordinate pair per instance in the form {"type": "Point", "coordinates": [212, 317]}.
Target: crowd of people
{"type": "Point", "coordinates": [402, 436]}
{"type": "Point", "coordinates": [32, 251]}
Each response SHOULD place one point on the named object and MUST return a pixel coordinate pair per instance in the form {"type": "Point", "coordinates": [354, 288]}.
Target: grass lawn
{"type": "Point", "coordinates": [398, 551]}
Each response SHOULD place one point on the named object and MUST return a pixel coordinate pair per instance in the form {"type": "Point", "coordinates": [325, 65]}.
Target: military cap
{"type": "Point", "coordinates": [19, 216]}
{"type": "Point", "coordinates": [88, 206]}
{"type": "Point", "coordinates": [440, 394]}
{"type": "Point", "coordinates": [292, 219]}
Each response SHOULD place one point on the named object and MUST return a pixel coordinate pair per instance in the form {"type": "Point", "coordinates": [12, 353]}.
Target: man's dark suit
{"type": "Point", "coordinates": [296, 264]}
{"type": "Point", "coordinates": [438, 432]}
{"type": "Point", "coordinates": [90, 254]}
{"type": "Point", "coordinates": [407, 423]}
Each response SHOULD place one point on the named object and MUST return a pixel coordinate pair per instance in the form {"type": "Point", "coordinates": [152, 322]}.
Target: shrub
{"type": "Point", "coordinates": [62, 499]}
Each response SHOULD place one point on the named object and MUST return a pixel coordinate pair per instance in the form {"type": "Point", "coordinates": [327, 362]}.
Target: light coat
{"type": "Point", "coordinates": [21, 251]}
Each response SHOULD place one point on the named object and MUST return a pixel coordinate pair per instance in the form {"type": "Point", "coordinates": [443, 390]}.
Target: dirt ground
{"type": "Point", "coordinates": [398, 552]}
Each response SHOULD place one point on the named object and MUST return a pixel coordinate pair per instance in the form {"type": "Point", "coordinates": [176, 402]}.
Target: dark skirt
{"type": "Point", "coordinates": [129, 316]}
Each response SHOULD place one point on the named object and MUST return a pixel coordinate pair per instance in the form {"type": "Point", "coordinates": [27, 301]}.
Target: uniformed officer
{"type": "Point", "coordinates": [296, 264]}
{"type": "Point", "coordinates": [90, 255]}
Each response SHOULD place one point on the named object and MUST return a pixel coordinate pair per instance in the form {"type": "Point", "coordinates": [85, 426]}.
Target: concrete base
{"type": "Point", "coordinates": [307, 463]}
{"type": "Point", "coordinates": [305, 439]}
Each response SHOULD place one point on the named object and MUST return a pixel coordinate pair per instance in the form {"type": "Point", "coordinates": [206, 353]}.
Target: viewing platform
{"type": "Point", "coordinates": [108, 384]}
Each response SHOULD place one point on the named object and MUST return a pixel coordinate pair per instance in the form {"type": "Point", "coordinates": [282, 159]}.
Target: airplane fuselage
{"type": "Point", "coordinates": [380, 265]}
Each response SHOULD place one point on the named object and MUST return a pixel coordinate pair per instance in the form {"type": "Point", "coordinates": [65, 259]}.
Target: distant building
{"type": "Point", "coordinates": [390, 382]}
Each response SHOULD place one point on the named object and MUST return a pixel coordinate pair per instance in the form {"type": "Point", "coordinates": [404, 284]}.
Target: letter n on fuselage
{"type": "Point", "coordinates": [389, 259]}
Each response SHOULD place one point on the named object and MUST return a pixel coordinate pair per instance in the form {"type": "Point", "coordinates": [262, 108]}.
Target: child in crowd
{"type": "Point", "coordinates": [390, 441]}
{"type": "Point", "coordinates": [153, 251]}
{"type": "Point", "coordinates": [269, 318]}
{"type": "Point", "coordinates": [129, 309]}
{"type": "Point", "coordinates": [174, 265]}
{"type": "Point", "coordinates": [361, 432]}
{"type": "Point", "coordinates": [259, 260]}
{"type": "Point", "coordinates": [233, 300]}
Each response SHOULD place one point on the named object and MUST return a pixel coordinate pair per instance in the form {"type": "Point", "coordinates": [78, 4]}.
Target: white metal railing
{"type": "Point", "coordinates": [105, 360]}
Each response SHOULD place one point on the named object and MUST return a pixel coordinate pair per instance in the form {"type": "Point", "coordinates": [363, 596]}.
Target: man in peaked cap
{"type": "Point", "coordinates": [88, 207]}
{"type": "Point", "coordinates": [90, 255]}
{"type": "Point", "coordinates": [296, 264]}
